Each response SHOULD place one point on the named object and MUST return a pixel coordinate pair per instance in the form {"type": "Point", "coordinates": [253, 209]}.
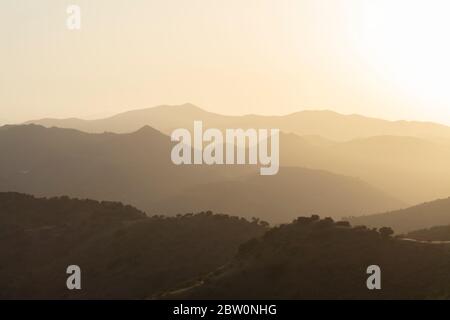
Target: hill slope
{"type": "Point", "coordinates": [312, 259]}
{"type": "Point", "coordinates": [121, 252]}
{"type": "Point", "coordinates": [291, 193]}
{"type": "Point", "coordinates": [433, 234]}
{"type": "Point", "coordinates": [412, 169]}
{"type": "Point", "coordinates": [136, 168]}
{"type": "Point", "coordinates": [422, 216]}
{"type": "Point", "coordinates": [408, 160]}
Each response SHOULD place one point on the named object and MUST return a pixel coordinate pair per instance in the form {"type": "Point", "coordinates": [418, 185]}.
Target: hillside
{"type": "Point", "coordinates": [319, 259]}
{"type": "Point", "coordinates": [291, 193]}
{"type": "Point", "coordinates": [433, 234]}
{"type": "Point", "coordinates": [426, 215]}
{"type": "Point", "coordinates": [121, 252]}
{"type": "Point", "coordinates": [327, 124]}
{"type": "Point", "coordinates": [135, 168]}
{"type": "Point", "coordinates": [405, 167]}
{"type": "Point", "coordinates": [408, 160]}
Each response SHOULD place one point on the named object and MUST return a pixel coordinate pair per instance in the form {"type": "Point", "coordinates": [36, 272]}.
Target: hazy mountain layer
{"type": "Point", "coordinates": [426, 215]}
{"type": "Point", "coordinates": [136, 168]}
{"type": "Point", "coordinates": [292, 192]}
{"type": "Point", "coordinates": [412, 169]}
{"type": "Point", "coordinates": [433, 234]}
{"type": "Point", "coordinates": [327, 124]}
{"type": "Point", "coordinates": [408, 160]}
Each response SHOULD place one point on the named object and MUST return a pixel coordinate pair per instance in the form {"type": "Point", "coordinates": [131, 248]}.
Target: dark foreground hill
{"type": "Point", "coordinates": [320, 259]}
{"type": "Point", "coordinates": [125, 254]}
{"type": "Point", "coordinates": [426, 215]}
{"type": "Point", "coordinates": [121, 252]}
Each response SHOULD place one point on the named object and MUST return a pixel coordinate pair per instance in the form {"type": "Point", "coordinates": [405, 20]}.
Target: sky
{"type": "Point", "coordinates": [386, 59]}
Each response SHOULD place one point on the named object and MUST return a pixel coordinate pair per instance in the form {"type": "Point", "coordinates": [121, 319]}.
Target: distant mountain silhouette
{"type": "Point", "coordinates": [433, 234]}
{"type": "Point", "coordinates": [408, 160]}
{"type": "Point", "coordinates": [122, 253]}
{"type": "Point", "coordinates": [133, 168]}
{"type": "Point", "coordinates": [326, 124]}
{"type": "Point", "coordinates": [136, 168]}
{"type": "Point", "coordinates": [320, 259]}
{"type": "Point", "coordinates": [426, 215]}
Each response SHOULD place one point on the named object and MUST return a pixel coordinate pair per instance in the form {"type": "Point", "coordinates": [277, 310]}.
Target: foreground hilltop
{"type": "Point", "coordinates": [123, 254]}
{"type": "Point", "coordinates": [320, 259]}
{"type": "Point", "coordinates": [405, 159]}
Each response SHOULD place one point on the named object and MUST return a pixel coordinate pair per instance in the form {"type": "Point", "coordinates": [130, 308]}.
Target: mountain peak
{"type": "Point", "coordinates": [184, 107]}
{"type": "Point", "coordinates": [146, 130]}
{"type": "Point", "coordinates": [190, 106]}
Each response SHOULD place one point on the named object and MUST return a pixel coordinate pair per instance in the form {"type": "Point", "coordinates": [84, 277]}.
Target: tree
{"type": "Point", "coordinates": [386, 232]}
{"type": "Point", "coordinates": [343, 224]}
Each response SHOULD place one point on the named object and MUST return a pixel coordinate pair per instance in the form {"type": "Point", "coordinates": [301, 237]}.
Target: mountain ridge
{"type": "Point", "coordinates": [326, 123]}
{"type": "Point", "coordinates": [422, 216]}
{"type": "Point", "coordinates": [136, 168]}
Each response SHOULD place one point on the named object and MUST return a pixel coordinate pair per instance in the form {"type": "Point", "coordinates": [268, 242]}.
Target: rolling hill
{"type": "Point", "coordinates": [292, 192]}
{"type": "Point", "coordinates": [122, 253]}
{"type": "Point", "coordinates": [436, 234]}
{"type": "Point", "coordinates": [136, 168]}
{"type": "Point", "coordinates": [426, 215]}
{"type": "Point", "coordinates": [320, 259]}
{"type": "Point", "coordinates": [412, 169]}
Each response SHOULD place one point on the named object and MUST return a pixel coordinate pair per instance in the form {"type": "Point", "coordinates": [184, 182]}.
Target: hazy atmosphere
{"type": "Point", "coordinates": [387, 59]}
{"type": "Point", "coordinates": [187, 150]}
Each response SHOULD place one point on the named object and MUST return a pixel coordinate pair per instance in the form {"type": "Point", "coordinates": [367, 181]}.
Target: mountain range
{"type": "Point", "coordinates": [125, 254]}
{"type": "Point", "coordinates": [327, 124]}
{"type": "Point", "coordinates": [332, 164]}
{"type": "Point", "coordinates": [402, 158]}
{"type": "Point", "coordinates": [136, 168]}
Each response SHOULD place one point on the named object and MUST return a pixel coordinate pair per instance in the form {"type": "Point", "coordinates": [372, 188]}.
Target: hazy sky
{"type": "Point", "coordinates": [384, 58]}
